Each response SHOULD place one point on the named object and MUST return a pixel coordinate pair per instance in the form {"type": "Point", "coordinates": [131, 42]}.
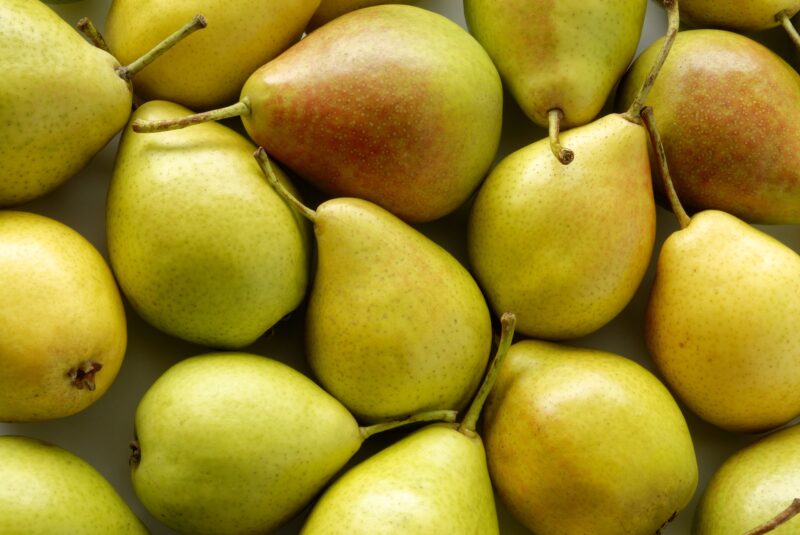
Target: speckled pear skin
{"type": "Point", "coordinates": [62, 100]}
{"type": "Point", "coordinates": [583, 441]}
{"type": "Point", "coordinates": [45, 490]}
{"type": "Point", "coordinates": [752, 487]}
{"type": "Point", "coordinates": [202, 246]}
{"type": "Point", "coordinates": [331, 9]}
{"type": "Point", "coordinates": [566, 247]}
{"type": "Point", "coordinates": [59, 309]}
{"type": "Point", "coordinates": [728, 110]}
{"type": "Point", "coordinates": [737, 15]}
{"type": "Point", "coordinates": [234, 443]}
{"type": "Point", "coordinates": [432, 482]}
{"type": "Point", "coordinates": [393, 104]}
{"type": "Point", "coordinates": [208, 69]}
{"type": "Point", "coordinates": [395, 325]}
{"type": "Point", "coordinates": [722, 323]}
{"type": "Point", "coordinates": [558, 54]}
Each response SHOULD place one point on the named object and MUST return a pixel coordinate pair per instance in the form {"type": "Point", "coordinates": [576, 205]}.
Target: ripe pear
{"type": "Point", "coordinates": [582, 441]}
{"type": "Point", "coordinates": [739, 15]}
{"type": "Point", "coordinates": [209, 70]}
{"type": "Point", "coordinates": [63, 99]}
{"type": "Point", "coordinates": [395, 325]}
{"type": "Point", "coordinates": [231, 443]}
{"type": "Point", "coordinates": [331, 9]}
{"type": "Point", "coordinates": [729, 113]}
{"type": "Point", "coordinates": [202, 246]}
{"type": "Point", "coordinates": [45, 490]}
{"type": "Point", "coordinates": [393, 104]}
{"type": "Point", "coordinates": [62, 323]}
{"type": "Point", "coordinates": [752, 487]}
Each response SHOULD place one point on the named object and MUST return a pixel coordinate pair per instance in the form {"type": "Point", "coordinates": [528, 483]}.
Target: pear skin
{"type": "Point", "coordinates": [62, 323]}
{"type": "Point", "coordinates": [582, 441]}
{"type": "Point", "coordinates": [737, 15]}
{"type": "Point", "coordinates": [722, 323]}
{"type": "Point", "coordinates": [331, 9]}
{"type": "Point", "coordinates": [566, 247]}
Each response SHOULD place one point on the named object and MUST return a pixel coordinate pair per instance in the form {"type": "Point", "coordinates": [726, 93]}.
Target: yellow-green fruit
{"type": "Point", "coordinates": [330, 9]}
{"type": "Point", "coordinates": [45, 490]}
{"type": "Point", "coordinates": [582, 441]}
{"type": "Point", "coordinates": [236, 443]}
{"type": "Point", "coordinates": [62, 324]}
{"type": "Point", "coordinates": [209, 68]}
{"type": "Point", "coordinates": [432, 482]}
{"type": "Point", "coordinates": [738, 15]}
{"type": "Point", "coordinates": [61, 100]}
{"type": "Point", "coordinates": [752, 487]}
{"type": "Point", "coordinates": [202, 246]}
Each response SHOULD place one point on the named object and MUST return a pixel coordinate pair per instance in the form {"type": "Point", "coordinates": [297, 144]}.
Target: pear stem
{"type": "Point", "coordinates": [785, 20]}
{"type": "Point", "coordinates": [263, 161]}
{"type": "Point", "coordinates": [144, 126]}
{"type": "Point", "coordinates": [783, 517]}
{"type": "Point", "coordinates": [673, 22]}
{"type": "Point", "coordinates": [554, 117]}
{"type": "Point", "coordinates": [128, 71]}
{"type": "Point", "coordinates": [429, 416]}
{"type": "Point", "coordinates": [655, 140]}
{"type": "Point", "coordinates": [470, 421]}
{"type": "Point", "coordinates": [87, 28]}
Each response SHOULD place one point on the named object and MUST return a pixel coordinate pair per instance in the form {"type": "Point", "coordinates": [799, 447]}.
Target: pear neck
{"type": "Point", "coordinates": [266, 167]}
{"type": "Point", "coordinates": [428, 416]}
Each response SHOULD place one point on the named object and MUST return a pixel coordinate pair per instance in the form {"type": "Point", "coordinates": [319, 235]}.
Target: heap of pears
{"type": "Point", "coordinates": [362, 121]}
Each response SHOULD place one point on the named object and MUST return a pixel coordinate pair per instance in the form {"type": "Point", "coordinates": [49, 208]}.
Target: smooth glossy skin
{"type": "Point", "coordinates": [432, 482]}
{"type": "Point", "coordinates": [202, 246]}
{"type": "Point", "coordinates": [565, 247]}
{"type": "Point", "coordinates": [45, 490]}
{"type": "Point", "coordinates": [737, 15]}
{"type": "Point", "coordinates": [208, 69]}
{"type": "Point", "coordinates": [233, 443]}
{"type": "Point", "coordinates": [62, 100]}
{"type": "Point", "coordinates": [59, 309]}
{"type": "Point", "coordinates": [582, 441]}
{"type": "Point", "coordinates": [558, 54]}
{"type": "Point", "coordinates": [752, 487]}
{"type": "Point", "coordinates": [331, 9]}
{"type": "Point", "coordinates": [393, 104]}
{"type": "Point", "coordinates": [395, 325]}
{"type": "Point", "coordinates": [722, 323]}
{"type": "Point", "coordinates": [728, 110]}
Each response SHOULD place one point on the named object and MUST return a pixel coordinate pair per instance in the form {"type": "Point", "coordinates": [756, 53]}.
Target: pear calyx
{"type": "Point", "coordinates": [783, 517]}
{"type": "Point", "coordinates": [82, 375]}
{"type": "Point", "coordinates": [136, 453]}
{"type": "Point", "coordinates": [565, 156]}
{"type": "Point", "coordinates": [428, 416]}
{"type": "Point", "coordinates": [87, 28]}
{"type": "Point", "coordinates": [263, 161]}
{"type": "Point", "coordinates": [784, 17]}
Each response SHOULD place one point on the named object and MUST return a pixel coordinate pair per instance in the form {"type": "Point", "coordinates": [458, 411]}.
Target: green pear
{"type": "Point", "coordinates": [61, 318]}
{"type": "Point", "coordinates": [395, 325]}
{"type": "Point", "coordinates": [739, 15]}
{"type": "Point", "coordinates": [582, 441]}
{"type": "Point", "coordinates": [210, 69]}
{"type": "Point", "coordinates": [63, 99]}
{"type": "Point", "coordinates": [202, 246]}
{"type": "Point", "coordinates": [729, 113]}
{"type": "Point", "coordinates": [393, 104]}
{"type": "Point", "coordinates": [752, 487]}
{"type": "Point", "coordinates": [231, 443]}
{"type": "Point", "coordinates": [46, 490]}
{"type": "Point", "coordinates": [331, 9]}
{"type": "Point", "coordinates": [432, 482]}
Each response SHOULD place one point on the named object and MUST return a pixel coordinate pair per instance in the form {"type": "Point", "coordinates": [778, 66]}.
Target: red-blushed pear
{"type": "Point", "coordinates": [393, 104]}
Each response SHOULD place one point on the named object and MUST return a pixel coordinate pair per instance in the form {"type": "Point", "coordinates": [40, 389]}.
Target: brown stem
{"type": "Point", "coordinates": [83, 375]}
{"type": "Point", "coordinates": [429, 416]}
{"type": "Point", "coordinates": [783, 517]}
{"type": "Point", "coordinates": [87, 28]}
{"type": "Point", "coordinates": [554, 117]}
{"type": "Point", "coordinates": [655, 140]}
{"type": "Point", "coordinates": [263, 161]}
{"type": "Point", "coordinates": [143, 126]}
{"type": "Point", "coordinates": [785, 19]}
{"type": "Point", "coordinates": [673, 22]}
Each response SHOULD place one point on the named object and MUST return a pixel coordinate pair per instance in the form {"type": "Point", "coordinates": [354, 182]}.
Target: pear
{"type": "Point", "coordinates": [729, 114]}
{"type": "Point", "coordinates": [210, 69]}
{"type": "Point", "coordinates": [395, 325]}
{"type": "Point", "coordinates": [583, 441]}
{"type": "Point", "coordinates": [739, 15]}
{"type": "Point", "coordinates": [432, 482]}
{"type": "Point", "coordinates": [393, 104]}
{"type": "Point", "coordinates": [62, 322]}
{"type": "Point", "coordinates": [753, 487]}
{"type": "Point", "coordinates": [235, 258]}
{"type": "Point", "coordinates": [231, 443]}
{"type": "Point", "coordinates": [63, 99]}
{"type": "Point", "coordinates": [560, 60]}
{"type": "Point", "coordinates": [45, 490]}
{"type": "Point", "coordinates": [331, 9]}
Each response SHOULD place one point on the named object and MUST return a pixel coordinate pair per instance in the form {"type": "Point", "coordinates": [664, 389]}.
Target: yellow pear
{"type": "Point", "coordinates": [330, 9]}
{"type": "Point", "coordinates": [739, 15]}
{"type": "Point", "coordinates": [62, 324]}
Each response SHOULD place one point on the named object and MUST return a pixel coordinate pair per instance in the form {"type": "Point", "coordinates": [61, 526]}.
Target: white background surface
{"type": "Point", "coordinates": [101, 433]}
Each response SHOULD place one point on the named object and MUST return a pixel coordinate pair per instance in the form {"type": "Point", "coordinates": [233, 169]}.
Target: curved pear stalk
{"type": "Point", "coordinates": [427, 416]}
{"type": "Point", "coordinates": [263, 160]}
{"type": "Point", "coordinates": [785, 20]}
{"type": "Point", "coordinates": [783, 517]}
{"type": "Point", "coordinates": [565, 156]}
{"type": "Point", "coordinates": [238, 109]}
